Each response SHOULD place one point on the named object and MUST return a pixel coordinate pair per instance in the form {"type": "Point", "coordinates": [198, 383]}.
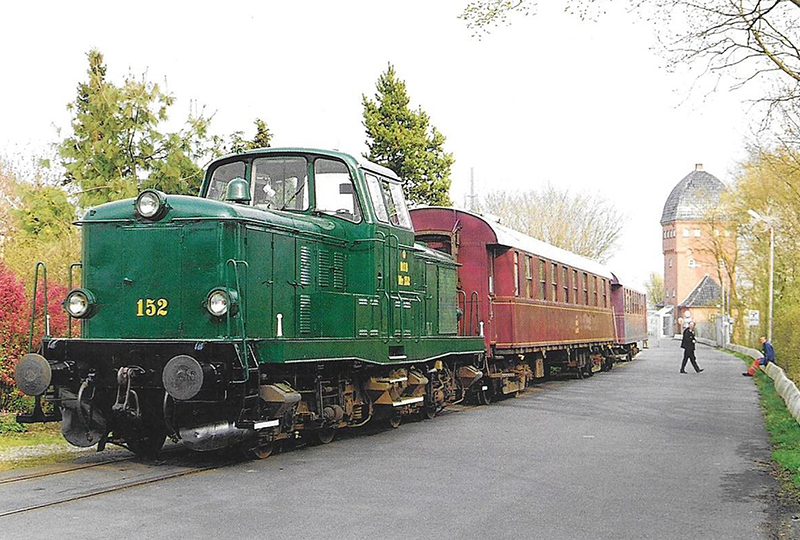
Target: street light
{"type": "Point", "coordinates": [768, 223]}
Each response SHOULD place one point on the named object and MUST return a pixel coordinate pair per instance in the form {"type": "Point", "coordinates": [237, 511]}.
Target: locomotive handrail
{"type": "Point", "coordinates": [463, 320]}
{"type": "Point", "coordinates": [233, 263]}
{"type": "Point", "coordinates": [33, 303]}
{"type": "Point", "coordinates": [473, 303]}
{"type": "Point", "coordinates": [69, 317]}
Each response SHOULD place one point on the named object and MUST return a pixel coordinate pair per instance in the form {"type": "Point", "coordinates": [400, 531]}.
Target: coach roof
{"type": "Point", "coordinates": [515, 239]}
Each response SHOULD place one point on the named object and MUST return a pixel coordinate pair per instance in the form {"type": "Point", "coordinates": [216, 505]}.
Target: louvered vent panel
{"type": "Point", "coordinates": [305, 265]}
{"type": "Point", "coordinates": [338, 271]}
{"type": "Point", "coordinates": [324, 268]}
{"type": "Point", "coordinates": [305, 314]}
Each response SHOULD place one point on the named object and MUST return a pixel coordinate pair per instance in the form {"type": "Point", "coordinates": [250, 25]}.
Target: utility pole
{"type": "Point", "coordinates": [472, 196]}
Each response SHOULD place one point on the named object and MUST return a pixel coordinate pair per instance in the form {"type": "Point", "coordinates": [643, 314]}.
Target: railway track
{"type": "Point", "coordinates": [46, 489]}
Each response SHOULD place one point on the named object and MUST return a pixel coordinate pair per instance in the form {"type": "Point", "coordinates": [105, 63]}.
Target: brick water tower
{"type": "Point", "coordinates": [693, 234]}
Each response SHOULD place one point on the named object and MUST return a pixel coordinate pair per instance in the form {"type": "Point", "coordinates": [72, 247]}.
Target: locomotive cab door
{"type": "Point", "coordinates": [394, 262]}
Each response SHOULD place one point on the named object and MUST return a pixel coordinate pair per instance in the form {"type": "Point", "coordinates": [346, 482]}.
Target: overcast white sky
{"type": "Point", "coordinates": [582, 105]}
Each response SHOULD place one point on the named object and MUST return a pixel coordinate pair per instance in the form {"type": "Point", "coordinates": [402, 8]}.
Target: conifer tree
{"type": "Point", "coordinates": [116, 147]}
{"type": "Point", "coordinates": [403, 140]}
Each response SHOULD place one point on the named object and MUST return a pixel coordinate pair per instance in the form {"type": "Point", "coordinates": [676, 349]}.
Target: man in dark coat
{"type": "Point", "coordinates": [687, 344]}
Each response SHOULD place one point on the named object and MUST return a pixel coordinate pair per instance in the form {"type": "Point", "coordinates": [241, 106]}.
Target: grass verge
{"type": "Point", "coordinates": [31, 445]}
{"type": "Point", "coordinates": [783, 429]}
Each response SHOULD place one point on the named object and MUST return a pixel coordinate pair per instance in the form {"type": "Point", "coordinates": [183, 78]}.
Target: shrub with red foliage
{"type": "Point", "coordinates": [15, 326]}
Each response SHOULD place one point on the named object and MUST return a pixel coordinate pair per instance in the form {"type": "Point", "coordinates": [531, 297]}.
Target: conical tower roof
{"type": "Point", "coordinates": [693, 197]}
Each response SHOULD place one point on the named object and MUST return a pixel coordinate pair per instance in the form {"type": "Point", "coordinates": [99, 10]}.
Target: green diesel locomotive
{"type": "Point", "coordinates": [287, 300]}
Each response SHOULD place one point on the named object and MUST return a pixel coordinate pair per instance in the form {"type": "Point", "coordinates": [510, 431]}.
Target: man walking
{"type": "Point", "coordinates": [687, 344]}
{"type": "Point", "coordinates": [769, 356]}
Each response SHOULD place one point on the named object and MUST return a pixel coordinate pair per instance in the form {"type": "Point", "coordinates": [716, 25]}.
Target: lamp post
{"type": "Point", "coordinates": [768, 223]}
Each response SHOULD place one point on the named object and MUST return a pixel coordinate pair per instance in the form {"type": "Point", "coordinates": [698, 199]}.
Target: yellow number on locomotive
{"type": "Point", "coordinates": [150, 308]}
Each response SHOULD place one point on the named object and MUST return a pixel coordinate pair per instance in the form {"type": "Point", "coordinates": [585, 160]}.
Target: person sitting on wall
{"type": "Point", "coordinates": [769, 356]}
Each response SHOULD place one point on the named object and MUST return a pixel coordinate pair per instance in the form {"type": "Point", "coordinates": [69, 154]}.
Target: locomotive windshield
{"type": "Point", "coordinates": [280, 183]}
{"type": "Point", "coordinates": [277, 183]}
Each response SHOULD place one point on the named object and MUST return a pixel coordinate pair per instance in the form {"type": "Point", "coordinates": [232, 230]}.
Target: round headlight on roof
{"type": "Point", "coordinates": [79, 303]}
{"type": "Point", "coordinates": [150, 204]}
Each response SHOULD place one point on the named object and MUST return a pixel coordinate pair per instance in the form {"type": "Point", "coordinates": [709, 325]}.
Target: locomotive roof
{"type": "Point", "coordinates": [356, 161]}
{"type": "Point", "coordinates": [509, 237]}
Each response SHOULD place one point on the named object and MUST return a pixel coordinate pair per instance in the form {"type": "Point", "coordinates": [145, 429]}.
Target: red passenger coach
{"type": "Point", "coordinates": [537, 306]}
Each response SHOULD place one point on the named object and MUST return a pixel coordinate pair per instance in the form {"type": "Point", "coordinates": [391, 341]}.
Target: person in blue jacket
{"type": "Point", "coordinates": [769, 356]}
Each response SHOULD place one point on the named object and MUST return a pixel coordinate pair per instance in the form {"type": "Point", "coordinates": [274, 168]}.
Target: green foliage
{"type": "Point", "coordinates": [655, 289]}
{"type": "Point", "coordinates": [237, 143]}
{"type": "Point", "coordinates": [403, 140]}
{"type": "Point", "coordinates": [9, 424]}
{"type": "Point", "coordinates": [117, 148]}
{"type": "Point", "coordinates": [44, 212]}
{"type": "Point", "coordinates": [769, 183]}
{"type": "Point", "coordinates": [784, 432]}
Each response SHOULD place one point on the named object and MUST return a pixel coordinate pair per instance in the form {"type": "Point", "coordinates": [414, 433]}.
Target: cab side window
{"type": "Point", "coordinates": [376, 195]}
{"type": "Point", "coordinates": [336, 193]}
{"type": "Point", "coordinates": [388, 201]}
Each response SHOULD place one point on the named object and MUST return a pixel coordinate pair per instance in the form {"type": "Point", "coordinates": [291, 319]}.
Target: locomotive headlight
{"type": "Point", "coordinates": [150, 204]}
{"type": "Point", "coordinates": [79, 303]}
{"type": "Point", "coordinates": [219, 301]}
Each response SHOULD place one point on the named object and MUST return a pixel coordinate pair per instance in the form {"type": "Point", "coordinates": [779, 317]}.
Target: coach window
{"type": "Point", "coordinates": [554, 281]}
{"type": "Point", "coordinates": [585, 289]}
{"type": "Point", "coordinates": [280, 183]}
{"type": "Point", "coordinates": [565, 282]}
{"type": "Point", "coordinates": [516, 273]}
{"type": "Point", "coordinates": [595, 290]}
{"type": "Point", "coordinates": [605, 294]}
{"type": "Point", "coordinates": [575, 286]}
{"type": "Point", "coordinates": [542, 280]}
{"type": "Point", "coordinates": [336, 194]}
{"type": "Point", "coordinates": [222, 175]}
{"type": "Point", "coordinates": [528, 277]}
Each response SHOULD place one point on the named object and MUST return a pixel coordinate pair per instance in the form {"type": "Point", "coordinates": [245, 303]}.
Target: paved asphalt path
{"type": "Point", "coordinates": [642, 452]}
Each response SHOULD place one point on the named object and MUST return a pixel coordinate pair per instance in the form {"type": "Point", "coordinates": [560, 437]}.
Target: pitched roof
{"type": "Point", "coordinates": [706, 293]}
{"type": "Point", "coordinates": [692, 197]}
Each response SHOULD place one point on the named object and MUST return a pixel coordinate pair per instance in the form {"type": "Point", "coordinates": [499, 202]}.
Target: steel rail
{"type": "Point", "coordinates": [112, 489]}
{"type": "Point", "coordinates": [78, 467]}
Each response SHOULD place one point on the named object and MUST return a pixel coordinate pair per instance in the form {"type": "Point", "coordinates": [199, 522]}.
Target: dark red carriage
{"type": "Point", "coordinates": [537, 306]}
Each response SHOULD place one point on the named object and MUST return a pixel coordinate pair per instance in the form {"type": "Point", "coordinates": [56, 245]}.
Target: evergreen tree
{"type": "Point", "coordinates": [403, 140]}
{"type": "Point", "coordinates": [237, 142]}
{"type": "Point", "coordinates": [116, 147]}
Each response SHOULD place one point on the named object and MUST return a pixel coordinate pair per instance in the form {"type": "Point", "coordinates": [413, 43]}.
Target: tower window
{"type": "Point", "coordinates": [686, 233]}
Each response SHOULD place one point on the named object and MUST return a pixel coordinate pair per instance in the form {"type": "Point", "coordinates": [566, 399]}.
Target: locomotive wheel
{"type": "Point", "coordinates": [147, 446]}
{"type": "Point", "coordinates": [395, 420]}
{"type": "Point", "coordinates": [262, 451]}
{"type": "Point", "coordinates": [484, 397]}
{"type": "Point", "coordinates": [325, 435]}
{"type": "Point", "coordinates": [429, 412]}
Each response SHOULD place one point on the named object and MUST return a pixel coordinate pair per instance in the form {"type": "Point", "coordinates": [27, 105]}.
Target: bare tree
{"type": "Point", "coordinates": [744, 40]}
{"type": "Point", "coordinates": [585, 224]}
